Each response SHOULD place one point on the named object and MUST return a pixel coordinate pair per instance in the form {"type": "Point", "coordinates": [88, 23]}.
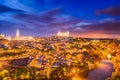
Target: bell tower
{"type": "Point", "coordinates": [17, 33]}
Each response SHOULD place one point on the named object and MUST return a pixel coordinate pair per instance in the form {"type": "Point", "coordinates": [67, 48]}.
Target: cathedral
{"type": "Point", "coordinates": [18, 37]}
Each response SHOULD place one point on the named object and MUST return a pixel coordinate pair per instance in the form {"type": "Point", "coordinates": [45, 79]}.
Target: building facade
{"type": "Point", "coordinates": [2, 36]}
{"type": "Point", "coordinates": [64, 34]}
{"type": "Point", "coordinates": [18, 37]}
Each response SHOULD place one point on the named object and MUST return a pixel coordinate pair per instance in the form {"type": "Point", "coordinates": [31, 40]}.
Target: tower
{"type": "Point", "coordinates": [17, 33]}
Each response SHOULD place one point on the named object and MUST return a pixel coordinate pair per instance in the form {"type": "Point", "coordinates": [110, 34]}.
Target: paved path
{"type": "Point", "coordinates": [103, 71]}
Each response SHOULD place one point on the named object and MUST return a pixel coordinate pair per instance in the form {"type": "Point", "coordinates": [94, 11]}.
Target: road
{"type": "Point", "coordinates": [103, 71]}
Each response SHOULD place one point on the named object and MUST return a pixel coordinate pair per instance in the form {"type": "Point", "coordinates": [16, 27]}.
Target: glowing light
{"type": "Point", "coordinates": [76, 78]}
{"type": "Point", "coordinates": [109, 56]}
{"type": "Point", "coordinates": [74, 71]}
{"type": "Point", "coordinates": [66, 34]}
{"type": "Point", "coordinates": [18, 37]}
{"type": "Point", "coordinates": [17, 33]}
{"type": "Point", "coordinates": [8, 38]}
{"type": "Point", "coordinates": [2, 35]}
{"type": "Point", "coordinates": [97, 63]}
{"type": "Point", "coordinates": [37, 65]}
{"type": "Point", "coordinates": [73, 79]}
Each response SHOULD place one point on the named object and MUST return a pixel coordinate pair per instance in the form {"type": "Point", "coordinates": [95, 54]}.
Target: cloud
{"type": "Point", "coordinates": [29, 6]}
{"type": "Point", "coordinates": [50, 22]}
{"type": "Point", "coordinates": [18, 4]}
{"type": "Point", "coordinates": [83, 23]}
{"type": "Point", "coordinates": [112, 11]}
{"type": "Point", "coordinates": [113, 25]}
{"type": "Point", "coordinates": [4, 8]}
{"type": "Point", "coordinates": [37, 24]}
{"type": "Point", "coordinates": [64, 22]}
{"type": "Point", "coordinates": [53, 12]}
{"type": "Point", "coordinates": [47, 21]}
{"type": "Point", "coordinates": [53, 18]}
{"type": "Point", "coordinates": [108, 28]}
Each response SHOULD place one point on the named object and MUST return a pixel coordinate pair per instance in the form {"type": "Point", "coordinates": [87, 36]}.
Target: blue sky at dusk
{"type": "Point", "coordinates": [84, 18]}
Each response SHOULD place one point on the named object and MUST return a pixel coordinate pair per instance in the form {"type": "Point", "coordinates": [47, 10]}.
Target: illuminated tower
{"type": "Point", "coordinates": [17, 33]}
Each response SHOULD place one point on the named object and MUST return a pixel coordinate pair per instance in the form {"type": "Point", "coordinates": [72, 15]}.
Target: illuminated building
{"type": "Point", "coordinates": [17, 33]}
{"type": "Point", "coordinates": [2, 36]}
{"type": "Point", "coordinates": [18, 37]}
{"type": "Point", "coordinates": [64, 34]}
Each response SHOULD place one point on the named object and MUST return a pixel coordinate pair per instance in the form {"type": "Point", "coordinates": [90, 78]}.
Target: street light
{"type": "Point", "coordinates": [76, 78]}
{"type": "Point", "coordinates": [0, 64]}
{"type": "Point", "coordinates": [109, 56]}
{"type": "Point", "coordinates": [74, 71]}
{"type": "Point", "coordinates": [97, 63]}
{"type": "Point", "coordinates": [73, 79]}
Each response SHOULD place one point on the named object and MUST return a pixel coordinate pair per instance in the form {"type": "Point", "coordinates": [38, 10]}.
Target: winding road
{"type": "Point", "coordinates": [103, 71]}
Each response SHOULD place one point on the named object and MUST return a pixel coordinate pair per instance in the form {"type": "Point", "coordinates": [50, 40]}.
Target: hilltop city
{"type": "Point", "coordinates": [18, 37]}
{"type": "Point", "coordinates": [59, 57]}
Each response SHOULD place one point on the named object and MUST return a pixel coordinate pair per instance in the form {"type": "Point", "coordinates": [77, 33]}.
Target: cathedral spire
{"type": "Point", "coordinates": [17, 33]}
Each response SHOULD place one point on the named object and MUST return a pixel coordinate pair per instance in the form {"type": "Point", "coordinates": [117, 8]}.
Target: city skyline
{"type": "Point", "coordinates": [47, 17]}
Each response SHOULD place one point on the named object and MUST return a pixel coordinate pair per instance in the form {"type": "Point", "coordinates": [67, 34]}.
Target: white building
{"type": "Point", "coordinates": [17, 33]}
{"type": "Point", "coordinates": [2, 36]}
{"type": "Point", "coordinates": [65, 34]}
{"type": "Point", "coordinates": [18, 37]}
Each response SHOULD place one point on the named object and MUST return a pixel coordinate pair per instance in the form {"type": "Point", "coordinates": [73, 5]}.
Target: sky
{"type": "Point", "coordinates": [43, 18]}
